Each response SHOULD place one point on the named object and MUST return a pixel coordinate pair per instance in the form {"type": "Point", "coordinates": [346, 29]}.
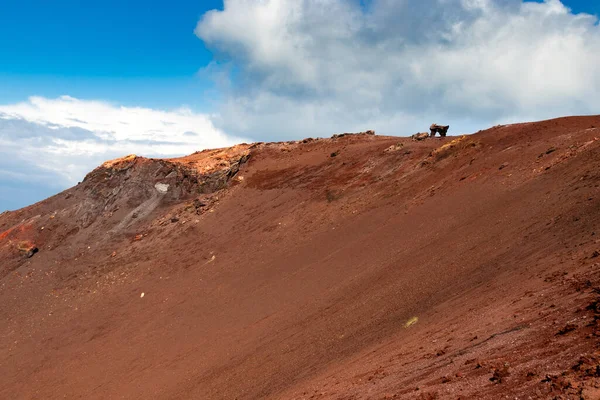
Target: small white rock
{"type": "Point", "coordinates": [162, 187]}
{"type": "Point", "coordinates": [142, 295]}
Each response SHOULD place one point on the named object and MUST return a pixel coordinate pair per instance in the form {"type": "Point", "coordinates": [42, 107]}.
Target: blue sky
{"type": "Point", "coordinates": [134, 52]}
{"type": "Point", "coordinates": [587, 6]}
{"type": "Point", "coordinates": [81, 82]}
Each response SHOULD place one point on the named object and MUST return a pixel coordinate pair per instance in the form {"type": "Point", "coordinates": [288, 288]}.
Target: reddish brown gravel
{"type": "Point", "coordinates": [455, 268]}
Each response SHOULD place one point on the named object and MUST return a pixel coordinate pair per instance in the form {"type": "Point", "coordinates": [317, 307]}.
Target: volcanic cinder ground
{"type": "Point", "coordinates": [356, 267]}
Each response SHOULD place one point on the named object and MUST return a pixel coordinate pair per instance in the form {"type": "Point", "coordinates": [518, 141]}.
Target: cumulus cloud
{"type": "Point", "coordinates": [309, 67]}
{"type": "Point", "coordinates": [47, 145]}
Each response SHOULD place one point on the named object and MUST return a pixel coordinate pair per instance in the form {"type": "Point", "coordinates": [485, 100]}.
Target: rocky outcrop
{"type": "Point", "coordinates": [141, 184]}
{"type": "Point", "coordinates": [340, 135]}
{"type": "Point", "coordinates": [420, 136]}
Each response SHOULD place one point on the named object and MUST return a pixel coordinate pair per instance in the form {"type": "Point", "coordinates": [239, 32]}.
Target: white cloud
{"type": "Point", "coordinates": [117, 123]}
{"type": "Point", "coordinates": [51, 144]}
{"type": "Point", "coordinates": [313, 67]}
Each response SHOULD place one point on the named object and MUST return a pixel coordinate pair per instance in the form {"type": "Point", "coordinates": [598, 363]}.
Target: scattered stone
{"type": "Point", "coordinates": [340, 135]}
{"type": "Point", "coordinates": [142, 295]}
{"type": "Point", "coordinates": [588, 365]}
{"type": "Point", "coordinates": [28, 249]}
{"type": "Point", "coordinates": [500, 374]}
{"type": "Point", "coordinates": [504, 165]}
{"type": "Point", "coordinates": [31, 252]}
{"type": "Point", "coordinates": [162, 187]}
{"type": "Point", "coordinates": [567, 328]}
{"type": "Point", "coordinates": [420, 136]}
{"type": "Point", "coordinates": [441, 129]}
{"type": "Point", "coordinates": [394, 147]}
{"type": "Point", "coordinates": [174, 220]}
{"type": "Point", "coordinates": [199, 203]}
{"type": "Point", "coordinates": [411, 322]}
{"type": "Point", "coordinates": [335, 153]}
{"type": "Point", "coordinates": [558, 382]}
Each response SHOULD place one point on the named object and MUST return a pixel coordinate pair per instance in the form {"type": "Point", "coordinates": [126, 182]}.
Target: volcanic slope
{"type": "Point", "coordinates": [356, 267]}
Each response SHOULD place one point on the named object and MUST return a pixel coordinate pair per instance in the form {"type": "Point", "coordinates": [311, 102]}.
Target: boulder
{"type": "Point", "coordinates": [420, 136]}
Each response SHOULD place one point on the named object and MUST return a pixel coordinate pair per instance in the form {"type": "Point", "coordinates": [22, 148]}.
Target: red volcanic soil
{"type": "Point", "coordinates": [357, 267]}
